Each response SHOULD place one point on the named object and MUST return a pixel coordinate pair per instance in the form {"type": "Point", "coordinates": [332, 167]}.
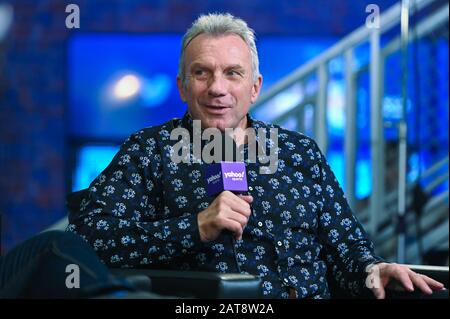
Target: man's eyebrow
{"type": "Point", "coordinates": [229, 67]}
{"type": "Point", "coordinates": [197, 64]}
{"type": "Point", "coordinates": [235, 66]}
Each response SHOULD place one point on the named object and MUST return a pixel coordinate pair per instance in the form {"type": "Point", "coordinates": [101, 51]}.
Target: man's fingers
{"type": "Point", "coordinates": [247, 198]}
{"type": "Point", "coordinates": [379, 293]}
{"type": "Point", "coordinates": [236, 216]}
{"type": "Point", "coordinates": [436, 285]}
{"type": "Point", "coordinates": [426, 284]}
{"type": "Point", "coordinates": [241, 208]}
{"type": "Point", "coordinates": [243, 199]}
{"type": "Point", "coordinates": [234, 227]}
{"type": "Point", "coordinates": [404, 279]}
{"type": "Point", "coordinates": [233, 212]}
{"type": "Point", "coordinates": [238, 204]}
{"type": "Point", "coordinates": [420, 283]}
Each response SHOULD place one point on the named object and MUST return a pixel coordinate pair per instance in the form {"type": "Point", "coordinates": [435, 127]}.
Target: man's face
{"type": "Point", "coordinates": [219, 87]}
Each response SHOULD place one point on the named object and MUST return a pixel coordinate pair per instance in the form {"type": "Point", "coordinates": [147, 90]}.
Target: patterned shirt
{"type": "Point", "coordinates": [141, 211]}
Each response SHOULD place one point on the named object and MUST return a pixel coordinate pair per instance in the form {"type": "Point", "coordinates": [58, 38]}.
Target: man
{"type": "Point", "coordinates": [146, 210]}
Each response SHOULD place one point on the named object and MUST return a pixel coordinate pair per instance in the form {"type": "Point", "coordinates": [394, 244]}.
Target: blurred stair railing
{"type": "Point", "coordinates": [431, 15]}
{"type": "Point", "coordinates": [433, 220]}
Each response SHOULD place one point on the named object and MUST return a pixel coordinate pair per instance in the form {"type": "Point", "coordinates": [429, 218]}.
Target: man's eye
{"type": "Point", "coordinates": [234, 73]}
{"type": "Point", "coordinates": [199, 72]}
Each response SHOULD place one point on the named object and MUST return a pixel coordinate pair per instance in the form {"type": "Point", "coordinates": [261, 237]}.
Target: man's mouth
{"type": "Point", "coordinates": [216, 109]}
{"type": "Point", "coordinates": [217, 106]}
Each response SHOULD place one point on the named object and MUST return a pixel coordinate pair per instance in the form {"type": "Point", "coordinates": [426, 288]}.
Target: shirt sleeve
{"type": "Point", "coordinates": [122, 218]}
{"type": "Point", "coordinates": [347, 246]}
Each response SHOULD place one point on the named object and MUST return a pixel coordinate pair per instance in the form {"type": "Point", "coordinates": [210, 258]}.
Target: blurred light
{"type": "Point", "coordinates": [363, 184]}
{"type": "Point", "coordinates": [413, 170]}
{"type": "Point", "coordinates": [363, 178]}
{"type": "Point", "coordinates": [308, 117]}
{"type": "Point", "coordinates": [336, 108]}
{"type": "Point", "coordinates": [393, 107]}
{"type": "Point", "coordinates": [280, 103]}
{"type": "Point", "coordinates": [336, 66]}
{"type": "Point", "coordinates": [290, 124]}
{"type": "Point", "coordinates": [91, 161]}
{"type": "Point", "coordinates": [156, 89]}
{"type": "Point", "coordinates": [127, 86]}
{"type": "Point", "coordinates": [6, 17]}
{"type": "Point", "coordinates": [336, 160]}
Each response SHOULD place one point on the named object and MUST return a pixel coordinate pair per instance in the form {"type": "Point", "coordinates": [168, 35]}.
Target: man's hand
{"type": "Point", "coordinates": [380, 275]}
{"type": "Point", "coordinates": [227, 211]}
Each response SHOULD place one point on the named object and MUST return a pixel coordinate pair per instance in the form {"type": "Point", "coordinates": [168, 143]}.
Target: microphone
{"type": "Point", "coordinates": [227, 176]}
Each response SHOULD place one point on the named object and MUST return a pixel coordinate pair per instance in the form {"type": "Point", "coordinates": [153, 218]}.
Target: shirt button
{"type": "Point", "coordinates": [250, 188]}
{"type": "Point", "coordinates": [260, 224]}
{"type": "Point", "coordinates": [285, 280]}
{"type": "Point", "coordinates": [280, 243]}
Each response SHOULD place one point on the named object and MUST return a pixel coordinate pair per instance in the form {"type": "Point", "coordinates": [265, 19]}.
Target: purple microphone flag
{"type": "Point", "coordinates": [226, 176]}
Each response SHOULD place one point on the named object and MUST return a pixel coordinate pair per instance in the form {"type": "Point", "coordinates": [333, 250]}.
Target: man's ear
{"type": "Point", "coordinates": [256, 88]}
{"type": "Point", "coordinates": [181, 89]}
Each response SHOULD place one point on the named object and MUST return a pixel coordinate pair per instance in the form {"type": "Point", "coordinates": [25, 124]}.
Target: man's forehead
{"type": "Point", "coordinates": [206, 36]}
{"type": "Point", "coordinates": [204, 40]}
{"type": "Point", "coordinates": [209, 49]}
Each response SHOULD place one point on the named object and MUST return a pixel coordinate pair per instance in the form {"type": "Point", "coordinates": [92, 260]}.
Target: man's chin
{"type": "Point", "coordinates": [216, 124]}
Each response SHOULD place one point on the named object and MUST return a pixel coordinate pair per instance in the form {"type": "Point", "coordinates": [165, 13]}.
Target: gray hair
{"type": "Point", "coordinates": [215, 24]}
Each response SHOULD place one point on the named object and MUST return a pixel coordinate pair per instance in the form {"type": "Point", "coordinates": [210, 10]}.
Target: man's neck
{"type": "Point", "coordinates": [239, 135]}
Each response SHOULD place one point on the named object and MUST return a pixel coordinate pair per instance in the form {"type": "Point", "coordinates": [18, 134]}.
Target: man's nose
{"type": "Point", "coordinates": [217, 86]}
